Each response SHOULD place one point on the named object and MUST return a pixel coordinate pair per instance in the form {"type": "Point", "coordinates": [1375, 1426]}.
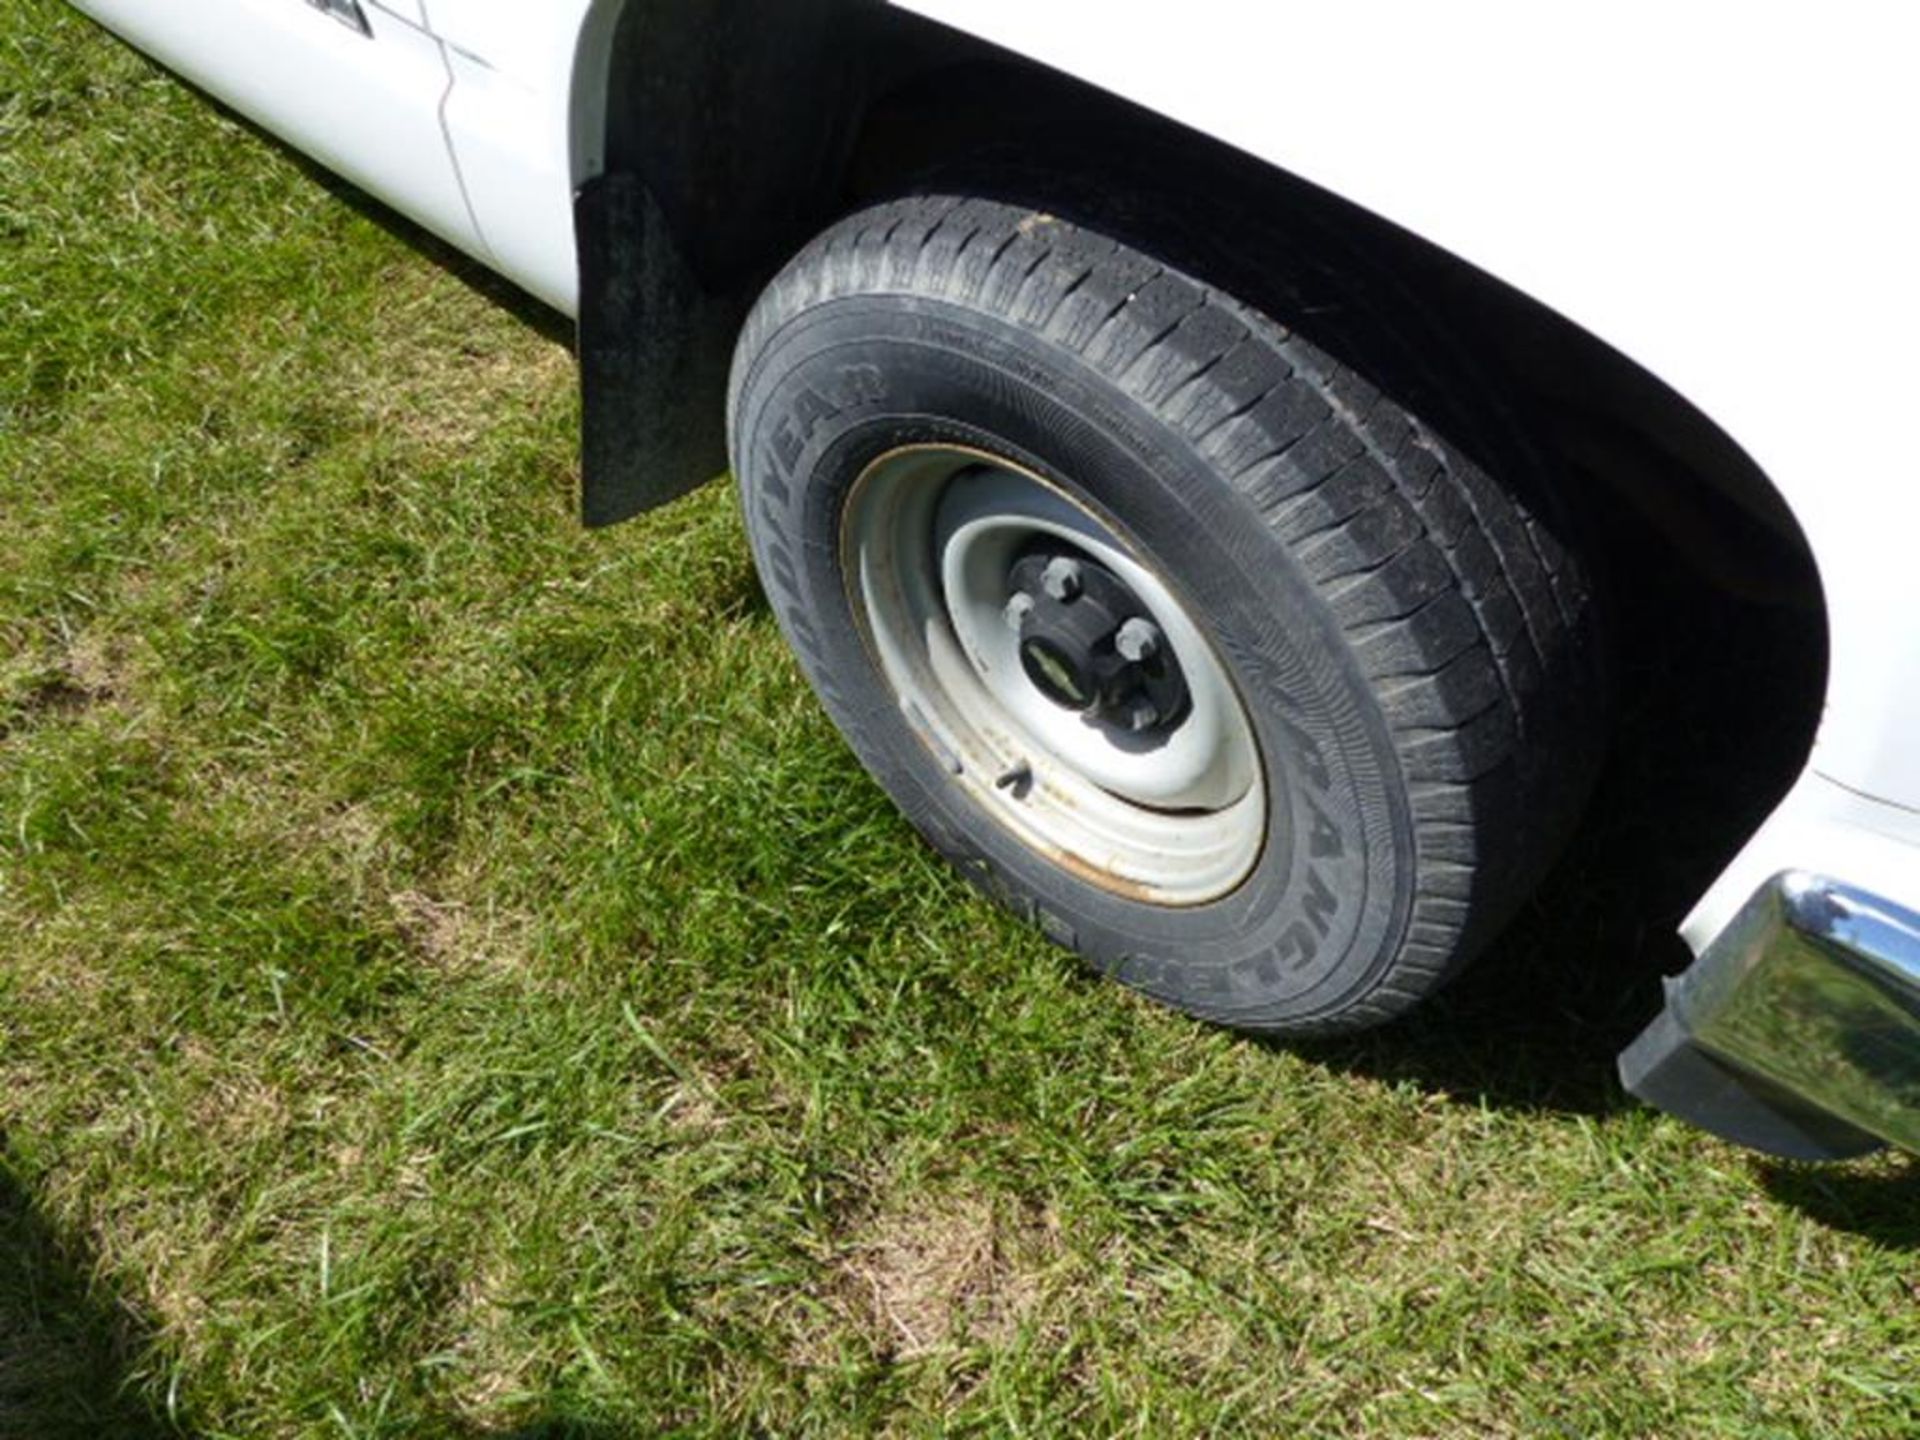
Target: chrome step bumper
{"type": "Point", "coordinates": [1797, 1031]}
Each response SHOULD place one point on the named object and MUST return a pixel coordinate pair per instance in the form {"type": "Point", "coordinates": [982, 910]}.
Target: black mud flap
{"type": "Point", "coordinates": [655, 347]}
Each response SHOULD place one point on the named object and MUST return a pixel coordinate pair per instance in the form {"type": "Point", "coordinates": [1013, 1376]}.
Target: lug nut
{"type": "Point", "coordinates": [1143, 716]}
{"type": "Point", "coordinates": [1061, 578]}
{"type": "Point", "coordinates": [1018, 608]}
{"type": "Point", "coordinates": [1138, 639]}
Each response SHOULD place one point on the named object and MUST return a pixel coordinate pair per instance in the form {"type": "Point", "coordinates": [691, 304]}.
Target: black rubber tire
{"type": "Point", "coordinates": [1414, 646]}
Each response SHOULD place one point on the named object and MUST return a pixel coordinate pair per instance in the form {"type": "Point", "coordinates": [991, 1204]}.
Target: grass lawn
{"type": "Point", "coordinates": [454, 982]}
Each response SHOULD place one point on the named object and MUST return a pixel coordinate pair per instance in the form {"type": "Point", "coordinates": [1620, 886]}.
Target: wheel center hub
{"type": "Point", "coordinates": [1087, 642]}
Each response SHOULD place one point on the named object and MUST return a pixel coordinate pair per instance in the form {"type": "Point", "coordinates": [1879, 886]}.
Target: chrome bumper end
{"type": "Point", "coordinates": [1797, 1031]}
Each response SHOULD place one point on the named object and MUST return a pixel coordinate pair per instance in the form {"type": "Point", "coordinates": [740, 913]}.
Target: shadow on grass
{"type": "Point", "coordinates": [1715, 714]}
{"type": "Point", "coordinates": [67, 1347]}
{"type": "Point", "coordinates": [1881, 1205]}
{"type": "Point", "coordinates": [535, 314]}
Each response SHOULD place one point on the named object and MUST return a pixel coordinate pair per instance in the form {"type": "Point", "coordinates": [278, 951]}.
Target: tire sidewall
{"type": "Point", "coordinates": [822, 394]}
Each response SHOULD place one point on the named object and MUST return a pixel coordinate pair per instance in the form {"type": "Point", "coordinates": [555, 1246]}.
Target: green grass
{"type": "Point", "coordinates": [454, 982]}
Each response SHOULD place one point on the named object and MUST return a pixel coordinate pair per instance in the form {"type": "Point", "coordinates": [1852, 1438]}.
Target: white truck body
{"type": "Point", "coordinates": [1725, 193]}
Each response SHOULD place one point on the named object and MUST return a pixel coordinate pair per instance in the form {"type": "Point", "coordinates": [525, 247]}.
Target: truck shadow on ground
{"type": "Point", "coordinates": [67, 1345]}
{"type": "Point", "coordinates": [1882, 1204]}
{"type": "Point", "coordinates": [550, 324]}
{"type": "Point", "coordinates": [74, 1355]}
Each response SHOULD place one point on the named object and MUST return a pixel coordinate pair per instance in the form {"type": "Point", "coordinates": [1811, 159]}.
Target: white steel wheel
{"type": "Point", "coordinates": [1054, 674]}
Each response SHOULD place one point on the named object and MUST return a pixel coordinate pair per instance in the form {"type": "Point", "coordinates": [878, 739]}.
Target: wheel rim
{"type": "Point", "coordinates": [1139, 775]}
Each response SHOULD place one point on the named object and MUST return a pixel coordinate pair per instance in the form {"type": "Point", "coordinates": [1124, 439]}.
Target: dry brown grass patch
{"type": "Point", "coordinates": [85, 674]}
{"type": "Point", "coordinates": [437, 929]}
{"type": "Point", "coordinates": [495, 1362]}
{"type": "Point", "coordinates": [922, 1278]}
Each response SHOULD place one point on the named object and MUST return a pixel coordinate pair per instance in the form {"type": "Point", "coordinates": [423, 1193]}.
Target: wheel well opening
{"type": "Point", "coordinates": [851, 103]}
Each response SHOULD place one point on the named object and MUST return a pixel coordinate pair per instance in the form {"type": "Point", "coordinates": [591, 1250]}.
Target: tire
{"type": "Point", "coordinates": [1410, 649]}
